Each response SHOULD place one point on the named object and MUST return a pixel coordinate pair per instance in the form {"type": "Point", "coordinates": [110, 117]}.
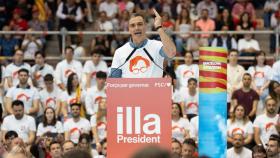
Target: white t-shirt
{"type": "Point", "coordinates": [31, 48]}
{"type": "Point", "coordinates": [139, 65]}
{"type": "Point", "coordinates": [12, 71]}
{"type": "Point", "coordinates": [185, 72]}
{"type": "Point", "coordinates": [234, 78]}
{"type": "Point", "coordinates": [26, 95]}
{"type": "Point", "coordinates": [245, 44]}
{"type": "Point", "coordinates": [41, 73]}
{"type": "Point", "coordinates": [266, 126]}
{"type": "Point", "coordinates": [49, 99]}
{"type": "Point", "coordinates": [58, 128]}
{"type": "Point", "coordinates": [75, 129]}
{"type": "Point", "coordinates": [64, 69]}
{"type": "Point", "coordinates": [190, 102]}
{"type": "Point", "coordinates": [101, 127]}
{"type": "Point", "coordinates": [109, 8]}
{"type": "Point", "coordinates": [69, 99]}
{"type": "Point", "coordinates": [180, 128]}
{"type": "Point", "coordinates": [244, 153]}
{"type": "Point", "coordinates": [22, 126]}
{"type": "Point", "coordinates": [276, 71]}
{"type": "Point", "coordinates": [194, 124]}
{"type": "Point", "coordinates": [92, 99]}
{"type": "Point", "coordinates": [90, 68]}
{"type": "Point", "coordinates": [176, 97]}
{"type": "Point", "coordinates": [260, 74]}
{"type": "Point", "coordinates": [239, 127]}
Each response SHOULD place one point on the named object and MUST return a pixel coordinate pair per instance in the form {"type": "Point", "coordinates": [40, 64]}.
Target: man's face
{"type": "Point", "coordinates": [137, 28]}
{"type": "Point", "coordinates": [75, 111]}
{"type": "Point", "coordinates": [96, 58]}
{"type": "Point", "coordinates": [68, 147]}
{"type": "Point", "coordinates": [237, 141]}
{"type": "Point", "coordinates": [18, 111]}
{"type": "Point", "coordinates": [246, 81]}
{"type": "Point", "coordinates": [233, 57]}
{"type": "Point", "coordinates": [100, 82]}
{"type": "Point", "coordinates": [204, 14]}
{"type": "Point", "coordinates": [18, 57]}
{"type": "Point", "coordinates": [272, 148]}
{"type": "Point", "coordinates": [39, 59]}
{"type": "Point", "coordinates": [188, 151]}
{"type": "Point", "coordinates": [55, 150]}
{"type": "Point", "coordinates": [69, 54]}
{"type": "Point", "coordinates": [84, 144]}
{"type": "Point", "coordinates": [192, 85]}
{"type": "Point", "coordinates": [23, 77]}
{"type": "Point", "coordinates": [188, 59]}
{"type": "Point", "coordinates": [176, 148]}
{"type": "Point", "coordinates": [271, 107]}
{"type": "Point", "coordinates": [49, 84]}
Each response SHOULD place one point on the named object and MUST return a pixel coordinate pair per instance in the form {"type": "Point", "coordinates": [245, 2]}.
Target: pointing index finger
{"type": "Point", "coordinates": [156, 13]}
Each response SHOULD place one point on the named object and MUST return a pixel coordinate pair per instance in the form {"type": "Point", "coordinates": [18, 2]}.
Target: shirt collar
{"type": "Point", "coordinates": [133, 45]}
{"type": "Point", "coordinates": [27, 87]}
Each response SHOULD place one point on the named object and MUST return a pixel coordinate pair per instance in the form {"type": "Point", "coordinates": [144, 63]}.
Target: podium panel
{"type": "Point", "coordinates": [138, 114]}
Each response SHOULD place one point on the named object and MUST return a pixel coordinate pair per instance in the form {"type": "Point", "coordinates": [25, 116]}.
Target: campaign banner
{"type": "Point", "coordinates": [138, 114]}
{"type": "Point", "coordinates": [212, 102]}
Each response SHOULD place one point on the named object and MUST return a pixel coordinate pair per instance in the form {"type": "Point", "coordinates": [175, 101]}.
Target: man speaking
{"type": "Point", "coordinates": [142, 57]}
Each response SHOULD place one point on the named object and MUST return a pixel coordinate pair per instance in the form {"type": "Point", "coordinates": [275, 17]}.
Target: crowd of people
{"type": "Point", "coordinates": [47, 111]}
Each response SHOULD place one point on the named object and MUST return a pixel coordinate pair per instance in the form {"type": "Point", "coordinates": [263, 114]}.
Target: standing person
{"type": "Point", "coordinates": [23, 124]}
{"type": "Point", "coordinates": [273, 147]}
{"type": "Point", "coordinates": [187, 70]}
{"type": "Point", "coordinates": [75, 126]}
{"type": "Point", "coordinates": [139, 65]}
{"type": "Point", "coordinates": [238, 150]}
{"type": "Point", "coordinates": [92, 66]}
{"type": "Point", "coordinates": [189, 98]}
{"type": "Point", "coordinates": [262, 74]}
{"type": "Point", "coordinates": [66, 67]}
{"type": "Point", "coordinates": [239, 123]}
{"type": "Point", "coordinates": [24, 92]}
{"type": "Point", "coordinates": [69, 15]}
{"type": "Point", "coordinates": [40, 70]}
{"type": "Point", "coordinates": [11, 71]}
{"type": "Point", "coordinates": [266, 124]}
{"type": "Point", "coordinates": [246, 96]}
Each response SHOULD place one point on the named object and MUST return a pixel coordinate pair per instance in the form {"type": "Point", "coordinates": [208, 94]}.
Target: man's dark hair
{"type": "Point", "coordinates": [77, 153]}
{"type": "Point", "coordinates": [192, 79]}
{"type": "Point", "coordinates": [48, 77]}
{"type": "Point", "coordinates": [101, 75]}
{"type": "Point", "coordinates": [69, 47]}
{"type": "Point", "coordinates": [17, 103]}
{"type": "Point", "coordinates": [246, 74]}
{"type": "Point", "coordinates": [54, 142]}
{"type": "Point", "coordinates": [76, 104]}
{"type": "Point", "coordinates": [10, 134]}
{"type": "Point", "coordinates": [96, 51]}
{"type": "Point", "coordinates": [174, 140]}
{"type": "Point", "coordinates": [190, 141]}
{"type": "Point", "coordinates": [40, 53]}
{"type": "Point", "coordinates": [137, 14]}
{"type": "Point", "coordinates": [233, 50]}
{"type": "Point", "coordinates": [23, 70]}
{"type": "Point", "coordinates": [275, 137]}
{"type": "Point", "coordinates": [152, 152]}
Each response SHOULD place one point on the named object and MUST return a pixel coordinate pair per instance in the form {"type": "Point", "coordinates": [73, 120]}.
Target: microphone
{"type": "Point", "coordinates": [152, 59]}
{"type": "Point", "coordinates": [127, 58]}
